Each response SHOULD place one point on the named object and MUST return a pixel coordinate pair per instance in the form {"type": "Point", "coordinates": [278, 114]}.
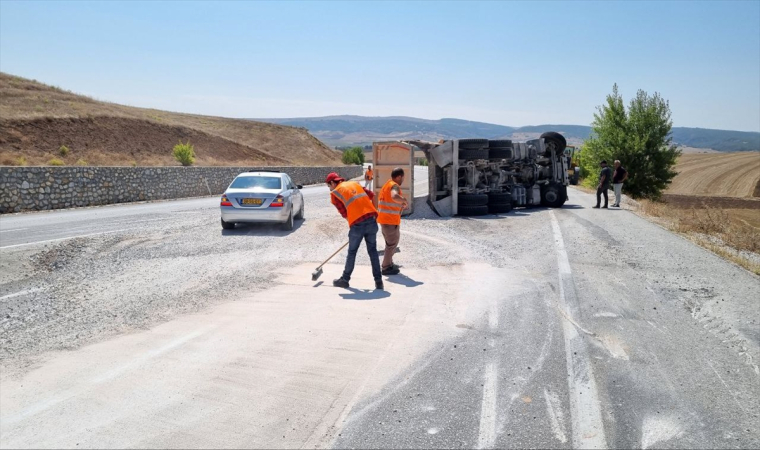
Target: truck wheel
{"type": "Point", "coordinates": [497, 198]}
{"type": "Point", "coordinates": [472, 210]}
{"type": "Point", "coordinates": [497, 208]}
{"type": "Point", "coordinates": [500, 153]}
{"type": "Point", "coordinates": [553, 195]}
{"type": "Point", "coordinates": [472, 199]}
{"type": "Point", "coordinates": [481, 153]}
{"type": "Point", "coordinates": [555, 140]}
{"type": "Point", "coordinates": [473, 143]}
{"type": "Point", "coordinates": [500, 143]}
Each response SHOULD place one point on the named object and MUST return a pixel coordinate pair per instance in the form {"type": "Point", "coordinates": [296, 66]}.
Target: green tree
{"type": "Point", "coordinates": [640, 137]}
{"type": "Point", "coordinates": [184, 153]}
{"type": "Point", "coordinates": [354, 155]}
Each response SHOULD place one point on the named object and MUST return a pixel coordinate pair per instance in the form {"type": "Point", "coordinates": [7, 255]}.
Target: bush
{"type": "Point", "coordinates": [64, 150]}
{"type": "Point", "coordinates": [354, 155]}
{"type": "Point", "coordinates": [21, 161]}
{"type": "Point", "coordinates": [55, 162]}
{"type": "Point", "coordinates": [81, 162]}
{"type": "Point", "coordinates": [184, 153]}
{"type": "Point", "coordinates": [423, 162]}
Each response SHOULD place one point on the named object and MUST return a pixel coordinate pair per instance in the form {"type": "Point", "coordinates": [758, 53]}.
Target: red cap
{"type": "Point", "coordinates": [332, 176]}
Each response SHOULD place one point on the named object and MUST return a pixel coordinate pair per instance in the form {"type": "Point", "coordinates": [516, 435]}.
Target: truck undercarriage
{"type": "Point", "coordinates": [471, 177]}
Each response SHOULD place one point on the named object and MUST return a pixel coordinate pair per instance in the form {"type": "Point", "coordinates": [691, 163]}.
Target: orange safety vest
{"type": "Point", "coordinates": [368, 174]}
{"type": "Point", "coordinates": [356, 201]}
{"type": "Point", "coordinates": [389, 212]}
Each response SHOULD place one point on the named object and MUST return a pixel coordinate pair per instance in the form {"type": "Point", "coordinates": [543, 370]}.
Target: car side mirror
{"type": "Point", "coordinates": [299, 186]}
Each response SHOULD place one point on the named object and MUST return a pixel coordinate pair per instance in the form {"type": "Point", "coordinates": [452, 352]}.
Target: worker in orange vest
{"type": "Point", "coordinates": [390, 205]}
{"type": "Point", "coordinates": [368, 177]}
{"type": "Point", "coordinates": [355, 205]}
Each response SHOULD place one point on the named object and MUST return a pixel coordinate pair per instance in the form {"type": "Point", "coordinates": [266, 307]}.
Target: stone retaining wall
{"type": "Point", "coordinates": [40, 188]}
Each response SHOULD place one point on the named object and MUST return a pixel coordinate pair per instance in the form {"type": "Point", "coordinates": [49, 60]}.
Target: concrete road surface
{"type": "Point", "coordinates": [567, 328]}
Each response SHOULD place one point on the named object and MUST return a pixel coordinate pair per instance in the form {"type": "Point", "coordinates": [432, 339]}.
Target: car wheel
{"type": "Point", "coordinates": [300, 216]}
{"type": "Point", "coordinates": [554, 140]}
{"type": "Point", "coordinates": [472, 210]}
{"type": "Point", "coordinates": [288, 225]}
{"type": "Point", "coordinates": [481, 153]}
{"type": "Point", "coordinates": [472, 199]}
{"type": "Point", "coordinates": [227, 225]}
{"type": "Point", "coordinates": [553, 195]}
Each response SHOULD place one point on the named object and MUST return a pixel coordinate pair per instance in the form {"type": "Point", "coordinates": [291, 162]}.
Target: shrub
{"type": "Point", "coordinates": [21, 161]}
{"type": "Point", "coordinates": [55, 162]}
{"type": "Point", "coordinates": [354, 155]}
{"type": "Point", "coordinates": [423, 161]}
{"type": "Point", "coordinates": [63, 150]}
{"type": "Point", "coordinates": [81, 162]}
{"type": "Point", "coordinates": [184, 153]}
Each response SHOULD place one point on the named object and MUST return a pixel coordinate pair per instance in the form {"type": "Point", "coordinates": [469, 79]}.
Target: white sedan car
{"type": "Point", "coordinates": [264, 196]}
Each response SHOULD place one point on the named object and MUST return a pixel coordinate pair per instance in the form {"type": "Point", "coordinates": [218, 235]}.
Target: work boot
{"type": "Point", "coordinates": [379, 285]}
{"type": "Point", "coordinates": [391, 270]}
{"type": "Point", "coordinates": [604, 207]}
{"type": "Point", "coordinates": [595, 207]}
{"type": "Point", "coordinates": [341, 283]}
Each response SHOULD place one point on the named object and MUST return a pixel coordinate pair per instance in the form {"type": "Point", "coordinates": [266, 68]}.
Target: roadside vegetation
{"type": "Point", "coordinates": [639, 136]}
{"type": "Point", "coordinates": [184, 153]}
{"type": "Point", "coordinates": [354, 155]}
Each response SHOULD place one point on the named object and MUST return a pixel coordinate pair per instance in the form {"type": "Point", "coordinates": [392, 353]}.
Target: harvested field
{"type": "Point", "coordinates": [38, 120]}
{"type": "Point", "coordinates": [718, 175]}
{"type": "Point", "coordinates": [701, 202]}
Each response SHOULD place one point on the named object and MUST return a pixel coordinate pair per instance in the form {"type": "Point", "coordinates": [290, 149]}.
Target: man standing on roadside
{"type": "Point", "coordinates": [354, 203]}
{"type": "Point", "coordinates": [390, 205]}
{"type": "Point", "coordinates": [618, 177]}
{"type": "Point", "coordinates": [604, 185]}
{"type": "Point", "coordinates": [368, 177]}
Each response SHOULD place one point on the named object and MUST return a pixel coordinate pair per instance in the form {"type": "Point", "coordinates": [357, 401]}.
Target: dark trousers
{"type": "Point", "coordinates": [599, 192]}
{"type": "Point", "coordinates": [365, 230]}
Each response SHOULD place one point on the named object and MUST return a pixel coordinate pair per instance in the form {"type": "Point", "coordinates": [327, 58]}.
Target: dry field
{"type": "Point", "coordinates": [718, 175]}
{"type": "Point", "coordinates": [37, 120]}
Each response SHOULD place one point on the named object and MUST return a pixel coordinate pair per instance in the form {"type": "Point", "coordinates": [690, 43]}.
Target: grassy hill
{"type": "Point", "coordinates": [358, 130]}
{"type": "Point", "coordinates": [37, 120]}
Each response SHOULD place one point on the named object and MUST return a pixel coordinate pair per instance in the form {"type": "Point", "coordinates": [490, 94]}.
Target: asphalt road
{"type": "Point", "coordinates": [567, 328]}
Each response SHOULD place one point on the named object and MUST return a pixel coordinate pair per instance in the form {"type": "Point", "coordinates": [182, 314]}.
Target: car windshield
{"type": "Point", "coordinates": [256, 182]}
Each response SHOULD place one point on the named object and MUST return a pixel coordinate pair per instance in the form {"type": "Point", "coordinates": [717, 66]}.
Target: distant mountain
{"type": "Point", "coordinates": [360, 130]}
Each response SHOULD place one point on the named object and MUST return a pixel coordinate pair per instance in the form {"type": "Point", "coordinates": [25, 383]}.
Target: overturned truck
{"type": "Point", "coordinates": [473, 177]}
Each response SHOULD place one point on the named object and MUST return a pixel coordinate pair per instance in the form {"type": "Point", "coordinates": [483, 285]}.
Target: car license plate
{"type": "Point", "coordinates": [252, 201]}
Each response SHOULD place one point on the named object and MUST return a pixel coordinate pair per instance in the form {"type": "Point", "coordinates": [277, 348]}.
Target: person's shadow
{"type": "Point", "coordinates": [364, 294]}
{"type": "Point", "coordinates": [404, 280]}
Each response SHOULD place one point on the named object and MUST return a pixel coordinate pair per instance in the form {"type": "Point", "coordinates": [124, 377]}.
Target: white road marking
{"type": "Point", "coordinates": [556, 416]}
{"type": "Point", "coordinates": [28, 291]}
{"type": "Point", "coordinates": [62, 239]}
{"type": "Point", "coordinates": [14, 229]}
{"type": "Point", "coordinates": [487, 433]}
{"type": "Point", "coordinates": [585, 411]}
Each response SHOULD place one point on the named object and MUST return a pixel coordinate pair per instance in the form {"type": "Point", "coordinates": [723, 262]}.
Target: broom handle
{"type": "Point", "coordinates": [331, 256]}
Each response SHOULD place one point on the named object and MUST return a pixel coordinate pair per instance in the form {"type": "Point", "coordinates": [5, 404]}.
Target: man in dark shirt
{"type": "Point", "coordinates": [618, 177]}
{"type": "Point", "coordinates": [604, 185]}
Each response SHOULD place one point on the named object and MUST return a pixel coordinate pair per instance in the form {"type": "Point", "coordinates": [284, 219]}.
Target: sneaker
{"type": "Point", "coordinates": [595, 207]}
{"type": "Point", "coordinates": [616, 206]}
{"type": "Point", "coordinates": [341, 283]}
{"type": "Point", "coordinates": [604, 207]}
{"type": "Point", "coordinates": [379, 285]}
{"type": "Point", "coordinates": [390, 270]}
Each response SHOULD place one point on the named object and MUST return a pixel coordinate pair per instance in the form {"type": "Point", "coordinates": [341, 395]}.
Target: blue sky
{"type": "Point", "coordinates": [511, 63]}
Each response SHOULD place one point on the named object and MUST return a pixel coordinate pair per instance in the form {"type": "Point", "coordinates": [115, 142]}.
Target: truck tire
{"type": "Point", "coordinates": [500, 153]}
{"type": "Point", "coordinates": [499, 143]}
{"type": "Point", "coordinates": [556, 140]}
{"type": "Point", "coordinates": [471, 144]}
{"type": "Point", "coordinates": [500, 208]}
{"type": "Point", "coordinates": [481, 153]}
{"type": "Point", "coordinates": [472, 199]}
{"type": "Point", "coordinates": [553, 195]}
{"type": "Point", "coordinates": [472, 210]}
{"type": "Point", "coordinates": [497, 198]}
